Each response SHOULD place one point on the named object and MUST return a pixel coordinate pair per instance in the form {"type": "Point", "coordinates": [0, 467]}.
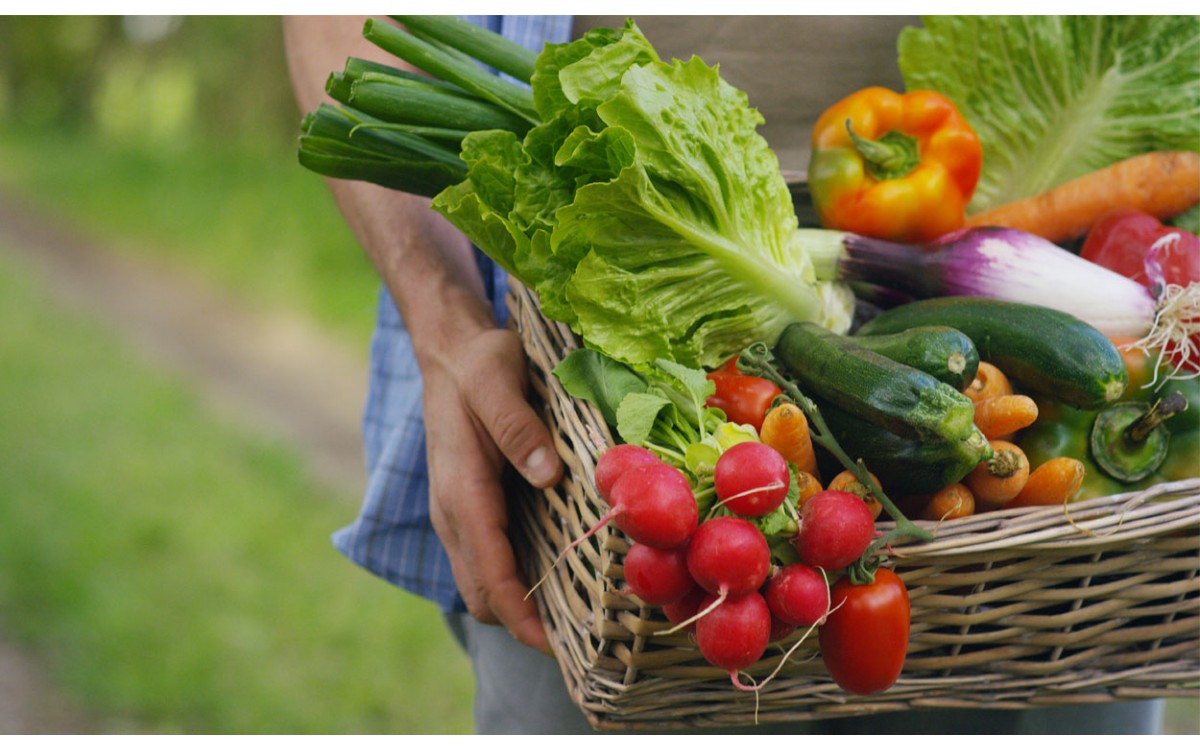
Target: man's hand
{"type": "Point", "coordinates": [476, 416]}
{"type": "Point", "coordinates": [477, 419]}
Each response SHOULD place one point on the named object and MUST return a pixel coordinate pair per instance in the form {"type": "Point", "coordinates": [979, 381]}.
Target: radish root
{"type": "Point", "coordinates": [716, 603]}
{"type": "Point", "coordinates": [788, 654]}
{"type": "Point", "coordinates": [599, 525]}
{"type": "Point", "coordinates": [751, 491]}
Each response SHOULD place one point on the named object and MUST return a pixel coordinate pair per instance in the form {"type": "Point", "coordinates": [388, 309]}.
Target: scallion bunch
{"type": "Point", "coordinates": [404, 131]}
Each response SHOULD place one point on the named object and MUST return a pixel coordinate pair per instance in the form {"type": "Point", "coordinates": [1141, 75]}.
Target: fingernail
{"type": "Point", "coordinates": [540, 466]}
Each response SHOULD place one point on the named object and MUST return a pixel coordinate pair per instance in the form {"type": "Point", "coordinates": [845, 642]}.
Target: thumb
{"type": "Point", "coordinates": [516, 428]}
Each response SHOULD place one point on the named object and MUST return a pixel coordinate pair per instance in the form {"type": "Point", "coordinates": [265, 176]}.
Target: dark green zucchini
{"type": "Point", "coordinates": [904, 466]}
{"type": "Point", "coordinates": [874, 388]}
{"type": "Point", "coordinates": [1049, 352]}
{"type": "Point", "coordinates": [945, 353]}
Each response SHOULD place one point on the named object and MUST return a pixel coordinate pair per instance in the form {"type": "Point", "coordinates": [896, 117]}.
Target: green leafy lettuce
{"type": "Point", "coordinates": [1055, 97]}
{"type": "Point", "coordinates": [645, 210]}
{"type": "Point", "coordinates": [664, 410]}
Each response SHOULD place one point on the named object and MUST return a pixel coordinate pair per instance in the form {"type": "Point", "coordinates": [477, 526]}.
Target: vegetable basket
{"type": "Point", "coordinates": [1010, 609]}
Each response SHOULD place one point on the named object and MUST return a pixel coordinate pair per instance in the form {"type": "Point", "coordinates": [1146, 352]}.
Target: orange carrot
{"type": "Point", "coordinates": [989, 382]}
{"type": "Point", "coordinates": [1053, 483]}
{"type": "Point", "coordinates": [1000, 416]}
{"type": "Point", "coordinates": [785, 428]}
{"type": "Point", "coordinates": [847, 482]}
{"type": "Point", "coordinates": [1161, 183]}
{"type": "Point", "coordinates": [999, 479]}
{"type": "Point", "coordinates": [809, 485]}
{"type": "Point", "coordinates": [955, 501]}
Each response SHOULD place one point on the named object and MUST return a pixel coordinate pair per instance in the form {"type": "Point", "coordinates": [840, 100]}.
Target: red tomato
{"type": "Point", "coordinates": [865, 637]}
{"type": "Point", "coordinates": [730, 365]}
{"type": "Point", "coordinates": [745, 399]}
{"type": "Point", "coordinates": [1121, 239]}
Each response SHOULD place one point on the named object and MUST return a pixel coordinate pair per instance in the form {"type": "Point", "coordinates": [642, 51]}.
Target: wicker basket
{"type": "Point", "coordinates": [1010, 609]}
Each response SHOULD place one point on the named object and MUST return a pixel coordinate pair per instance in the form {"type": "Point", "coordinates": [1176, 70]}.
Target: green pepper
{"type": "Point", "coordinates": [1129, 439]}
{"type": "Point", "coordinates": [1065, 431]}
{"type": "Point", "coordinates": [1183, 458]}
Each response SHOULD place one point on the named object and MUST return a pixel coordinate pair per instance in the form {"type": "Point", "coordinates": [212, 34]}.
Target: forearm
{"type": "Point", "coordinates": [475, 376]}
{"type": "Point", "coordinates": [427, 265]}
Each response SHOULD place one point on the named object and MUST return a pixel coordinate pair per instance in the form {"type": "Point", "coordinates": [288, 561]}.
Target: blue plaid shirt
{"type": "Point", "coordinates": [392, 536]}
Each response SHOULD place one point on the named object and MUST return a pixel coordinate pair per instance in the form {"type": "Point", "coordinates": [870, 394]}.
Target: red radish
{"type": "Point", "coordinates": [780, 629]}
{"type": "Point", "coordinates": [653, 504]}
{"type": "Point", "coordinates": [798, 595]}
{"type": "Point", "coordinates": [835, 529]}
{"type": "Point", "coordinates": [657, 576]}
{"type": "Point", "coordinates": [683, 610]}
{"type": "Point", "coordinates": [729, 556]}
{"type": "Point", "coordinates": [751, 479]}
{"type": "Point", "coordinates": [735, 633]}
{"type": "Point", "coordinates": [616, 461]}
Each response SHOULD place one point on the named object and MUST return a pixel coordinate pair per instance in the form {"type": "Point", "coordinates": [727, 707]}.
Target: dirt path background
{"type": "Point", "coordinates": [273, 371]}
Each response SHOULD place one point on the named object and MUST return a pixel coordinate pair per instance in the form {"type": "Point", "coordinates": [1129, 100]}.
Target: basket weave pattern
{"type": "Point", "coordinates": [1010, 609]}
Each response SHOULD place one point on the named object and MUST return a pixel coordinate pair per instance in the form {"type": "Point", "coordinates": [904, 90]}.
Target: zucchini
{"type": "Point", "coordinates": [1050, 352]}
{"type": "Point", "coordinates": [874, 388]}
{"type": "Point", "coordinates": [903, 466]}
{"type": "Point", "coordinates": [945, 353]}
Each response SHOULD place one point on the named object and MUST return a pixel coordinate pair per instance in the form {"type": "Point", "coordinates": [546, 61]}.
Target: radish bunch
{"type": "Point", "coordinates": [717, 578]}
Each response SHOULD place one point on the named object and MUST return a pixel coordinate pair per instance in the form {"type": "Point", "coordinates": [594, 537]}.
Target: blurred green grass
{"type": "Point", "coordinates": [175, 568]}
{"type": "Point", "coordinates": [245, 217]}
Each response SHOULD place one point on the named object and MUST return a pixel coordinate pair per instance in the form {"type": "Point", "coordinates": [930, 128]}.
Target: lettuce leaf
{"type": "Point", "coordinates": [1056, 97]}
{"type": "Point", "coordinates": [646, 210]}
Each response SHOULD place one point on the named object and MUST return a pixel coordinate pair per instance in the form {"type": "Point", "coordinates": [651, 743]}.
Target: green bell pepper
{"type": "Point", "coordinates": [1065, 431]}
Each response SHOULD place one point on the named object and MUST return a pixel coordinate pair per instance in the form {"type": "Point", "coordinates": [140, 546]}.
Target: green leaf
{"type": "Point", "coordinates": [591, 376]}
{"type": "Point", "coordinates": [695, 382]}
{"type": "Point", "coordinates": [638, 413]}
{"type": "Point", "coordinates": [1055, 97]}
{"type": "Point", "coordinates": [548, 97]}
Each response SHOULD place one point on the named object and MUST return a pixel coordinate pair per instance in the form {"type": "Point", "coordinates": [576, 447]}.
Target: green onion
{"type": "Point", "coordinates": [489, 48]}
{"type": "Point", "coordinates": [329, 158]}
{"type": "Point", "coordinates": [357, 68]}
{"type": "Point", "coordinates": [365, 132]}
{"type": "Point", "coordinates": [440, 135]}
{"type": "Point", "coordinates": [414, 104]}
{"type": "Point", "coordinates": [344, 144]}
{"type": "Point", "coordinates": [453, 68]}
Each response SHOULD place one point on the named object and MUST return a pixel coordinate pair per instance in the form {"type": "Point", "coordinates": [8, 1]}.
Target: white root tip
{"type": "Point", "coordinates": [1176, 323]}
{"type": "Point", "coordinates": [680, 626]}
{"type": "Point", "coordinates": [746, 493]}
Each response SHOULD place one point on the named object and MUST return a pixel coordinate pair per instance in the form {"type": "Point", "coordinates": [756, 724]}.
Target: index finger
{"type": "Point", "coordinates": [486, 541]}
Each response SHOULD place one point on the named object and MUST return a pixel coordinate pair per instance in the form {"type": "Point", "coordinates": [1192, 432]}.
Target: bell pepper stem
{"type": "Point", "coordinates": [891, 157]}
{"type": "Point", "coordinates": [1162, 410]}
